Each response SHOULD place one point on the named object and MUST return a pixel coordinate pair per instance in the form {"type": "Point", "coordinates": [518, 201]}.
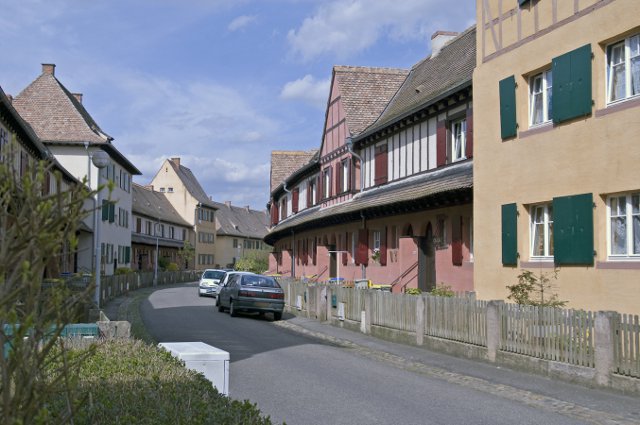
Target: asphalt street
{"type": "Point", "coordinates": [304, 372]}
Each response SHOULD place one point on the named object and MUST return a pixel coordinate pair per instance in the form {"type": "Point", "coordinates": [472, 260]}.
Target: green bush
{"type": "Point", "coordinates": [442, 291]}
{"type": "Point", "coordinates": [256, 262]}
{"type": "Point", "coordinates": [172, 267]}
{"type": "Point", "coordinates": [131, 382]}
{"type": "Point", "coordinates": [123, 270]}
{"type": "Point", "coordinates": [413, 291]}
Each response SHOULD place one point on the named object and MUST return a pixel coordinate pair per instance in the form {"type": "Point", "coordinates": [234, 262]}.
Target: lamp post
{"type": "Point", "coordinates": [156, 230]}
{"type": "Point", "coordinates": [100, 160]}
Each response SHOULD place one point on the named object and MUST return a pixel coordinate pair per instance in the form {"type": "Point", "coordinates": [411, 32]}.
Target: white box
{"type": "Point", "coordinates": [201, 357]}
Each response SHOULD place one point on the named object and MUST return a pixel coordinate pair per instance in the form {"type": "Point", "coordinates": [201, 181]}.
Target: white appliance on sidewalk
{"type": "Point", "coordinates": [211, 361]}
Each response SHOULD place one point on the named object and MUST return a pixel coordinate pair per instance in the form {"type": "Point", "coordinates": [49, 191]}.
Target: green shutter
{"type": "Point", "coordinates": [571, 92]}
{"type": "Point", "coordinates": [573, 229]}
{"type": "Point", "coordinates": [112, 212]}
{"type": "Point", "coordinates": [105, 210]}
{"type": "Point", "coordinates": [521, 2]}
{"type": "Point", "coordinates": [508, 125]}
{"type": "Point", "coordinates": [127, 254]}
{"type": "Point", "coordinates": [509, 235]}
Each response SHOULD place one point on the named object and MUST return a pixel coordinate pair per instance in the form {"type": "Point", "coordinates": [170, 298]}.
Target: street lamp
{"type": "Point", "coordinates": [156, 230]}
{"type": "Point", "coordinates": [100, 160]}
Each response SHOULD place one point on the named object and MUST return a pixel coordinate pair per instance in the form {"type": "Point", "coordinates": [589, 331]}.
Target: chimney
{"type": "Point", "coordinates": [439, 39]}
{"type": "Point", "coordinates": [49, 68]}
{"type": "Point", "coordinates": [78, 97]}
{"type": "Point", "coordinates": [149, 186]}
{"type": "Point", "coordinates": [247, 208]}
{"type": "Point", "coordinates": [227, 203]}
{"type": "Point", "coordinates": [176, 161]}
{"type": "Point", "coordinates": [10, 98]}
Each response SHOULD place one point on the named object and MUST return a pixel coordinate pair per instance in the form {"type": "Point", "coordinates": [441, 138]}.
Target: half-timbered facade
{"type": "Point", "coordinates": [393, 181]}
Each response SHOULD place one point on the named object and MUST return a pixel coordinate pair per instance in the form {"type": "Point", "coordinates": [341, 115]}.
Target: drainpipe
{"type": "Point", "coordinates": [349, 143]}
{"type": "Point", "coordinates": [364, 226]}
{"type": "Point", "coordinates": [293, 239]}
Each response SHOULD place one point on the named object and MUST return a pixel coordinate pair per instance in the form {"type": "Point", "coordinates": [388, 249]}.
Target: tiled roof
{"type": "Point", "coordinates": [191, 184]}
{"type": "Point", "coordinates": [241, 221]}
{"type": "Point", "coordinates": [154, 205]}
{"type": "Point", "coordinates": [27, 136]}
{"type": "Point", "coordinates": [365, 92]}
{"type": "Point", "coordinates": [285, 163]}
{"type": "Point", "coordinates": [422, 187]}
{"type": "Point", "coordinates": [434, 76]}
{"type": "Point", "coordinates": [55, 114]}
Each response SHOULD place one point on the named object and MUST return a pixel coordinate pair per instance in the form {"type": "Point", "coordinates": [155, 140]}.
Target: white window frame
{"type": "Point", "coordinates": [326, 183]}
{"type": "Point", "coordinates": [345, 175]}
{"type": "Point", "coordinates": [628, 214]}
{"type": "Point", "coordinates": [629, 56]}
{"type": "Point", "coordinates": [458, 140]}
{"type": "Point", "coordinates": [547, 230]}
{"type": "Point", "coordinates": [544, 93]}
{"type": "Point", "coordinates": [376, 240]}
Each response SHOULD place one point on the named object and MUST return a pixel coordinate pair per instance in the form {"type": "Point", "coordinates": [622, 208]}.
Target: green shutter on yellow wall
{"type": "Point", "coordinates": [571, 92]}
{"type": "Point", "coordinates": [509, 235]}
{"type": "Point", "coordinates": [508, 127]}
{"type": "Point", "coordinates": [573, 229]}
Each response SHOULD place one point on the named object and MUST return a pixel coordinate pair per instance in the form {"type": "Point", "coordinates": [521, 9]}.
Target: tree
{"type": "Point", "coordinates": [256, 262]}
{"type": "Point", "coordinates": [535, 290]}
{"type": "Point", "coordinates": [35, 229]}
{"type": "Point", "coordinates": [186, 254]}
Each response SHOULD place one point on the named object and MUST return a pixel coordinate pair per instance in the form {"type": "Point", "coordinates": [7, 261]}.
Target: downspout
{"type": "Point", "coordinates": [364, 226]}
{"type": "Point", "coordinates": [349, 144]}
{"type": "Point", "coordinates": [293, 238]}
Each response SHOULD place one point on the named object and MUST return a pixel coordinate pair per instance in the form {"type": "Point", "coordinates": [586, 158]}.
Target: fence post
{"type": "Point", "coordinates": [321, 303]}
{"type": "Point", "coordinates": [493, 329]}
{"type": "Point", "coordinates": [604, 346]}
{"type": "Point", "coordinates": [365, 326]}
{"type": "Point", "coordinates": [420, 320]}
{"type": "Point", "coordinates": [329, 297]}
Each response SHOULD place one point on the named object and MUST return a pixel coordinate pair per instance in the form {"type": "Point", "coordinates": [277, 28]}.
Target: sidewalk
{"type": "Point", "coordinates": [604, 406]}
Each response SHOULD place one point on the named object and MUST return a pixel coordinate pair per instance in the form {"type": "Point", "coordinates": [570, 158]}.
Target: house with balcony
{"type": "Point", "coordinates": [188, 198]}
{"type": "Point", "coordinates": [65, 127]}
{"type": "Point", "coordinates": [158, 232]}
{"type": "Point", "coordinates": [389, 198]}
{"type": "Point", "coordinates": [557, 91]}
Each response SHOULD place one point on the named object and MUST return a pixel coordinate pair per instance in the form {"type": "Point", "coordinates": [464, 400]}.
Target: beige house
{"type": "Point", "coordinates": [189, 199]}
{"type": "Point", "coordinates": [239, 233]}
{"type": "Point", "coordinates": [556, 99]}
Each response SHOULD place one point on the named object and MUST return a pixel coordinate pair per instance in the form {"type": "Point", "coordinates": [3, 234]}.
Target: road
{"type": "Point", "coordinates": [302, 372]}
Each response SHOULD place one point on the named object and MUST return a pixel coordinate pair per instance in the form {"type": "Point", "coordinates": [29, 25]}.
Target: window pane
{"type": "Point", "coordinates": [618, 235]}
{"type": "Point", "coordinates": [635, 211]}
{"type": "Point", "coordinates": [538, 240]}
{"type": "Point", "coordinates": [616, 71]}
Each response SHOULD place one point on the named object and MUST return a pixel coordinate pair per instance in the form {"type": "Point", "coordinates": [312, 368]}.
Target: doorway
{"type": "Point", "coordinates": [333, 263]}
{"type": "Point", "coordinates": [426, 262]}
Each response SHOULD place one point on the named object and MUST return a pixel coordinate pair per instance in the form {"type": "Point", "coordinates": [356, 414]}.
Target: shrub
{"type": "Point", "coordinates": [123, 270]}
{"type": "Point", "coordinates": [535, 290]}
{"type": "Point", "coordinates": [442, 291]}
{"type": "Point", "coordinates": [172, 267]}
{"type": "Point", "coordinates": [413, 291]}
{"type": "Point", "coordinates": [128, 381]}
{"type": "Point", "coordinates": [256, 262]}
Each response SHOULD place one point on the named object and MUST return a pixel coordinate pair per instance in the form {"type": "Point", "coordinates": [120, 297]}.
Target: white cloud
{"type": "Point", "coordinates": [241, 22]}
{"type": "Point", "coordinates": [346, 27]}
{"type": "Point", "coordinates": [308, 90]}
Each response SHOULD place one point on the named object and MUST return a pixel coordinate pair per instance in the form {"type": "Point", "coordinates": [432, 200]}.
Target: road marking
{"type": "Point", "coordinates": [529, 398]}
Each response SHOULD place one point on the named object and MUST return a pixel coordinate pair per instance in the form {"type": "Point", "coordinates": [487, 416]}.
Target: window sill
{"type": "Point", "coordinates": [622, 105]}
{"type": "Point", "coordinates": [538, 264]}
{"type": "Point", "coordinates": [536, 129]}
{"type": "Point", "coordinates": [630, 264]}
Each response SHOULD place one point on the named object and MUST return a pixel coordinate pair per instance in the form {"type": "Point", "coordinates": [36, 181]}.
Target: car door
{"type": "Point", "coordinates": [224, 292]}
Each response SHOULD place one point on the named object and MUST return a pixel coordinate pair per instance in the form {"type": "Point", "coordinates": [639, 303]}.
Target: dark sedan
{"type": "Point", "coordinates": [252, 293]}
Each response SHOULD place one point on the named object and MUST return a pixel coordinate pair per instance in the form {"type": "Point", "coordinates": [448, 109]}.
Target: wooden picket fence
{"type": "Point", "coordinates": [395, 311]}
{"type": "Point", "coordinates": [627, 345]}
{"type": "Point", "coordinates": [458, 319]}
{"type": "Point", "coordinates": [549, 333]}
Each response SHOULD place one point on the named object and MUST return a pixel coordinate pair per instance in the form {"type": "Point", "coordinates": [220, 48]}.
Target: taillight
{"type": "Point", "coordinates": [247, 294]}
{"type": "Point", "coordinates": [276, 296]}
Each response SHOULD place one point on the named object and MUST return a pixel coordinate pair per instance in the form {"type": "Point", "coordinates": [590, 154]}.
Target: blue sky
{"type": "Point", "coordinates": [219, 83]}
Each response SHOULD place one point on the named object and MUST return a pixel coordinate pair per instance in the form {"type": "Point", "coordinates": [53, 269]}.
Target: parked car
{"type": "Point", "coordinates": [253, 293]}
{"type": "Point", "coordinates": [210, 282]}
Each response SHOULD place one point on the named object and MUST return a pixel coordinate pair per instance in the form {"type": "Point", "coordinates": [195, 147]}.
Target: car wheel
{"type": "Point", "coordinates": [220, 307]}
{"type": "Point", "coordinates": [232, 310]}
{"type": "Point", "coordinates": [277, 315]}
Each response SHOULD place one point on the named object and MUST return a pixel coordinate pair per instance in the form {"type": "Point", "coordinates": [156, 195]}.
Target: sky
{"type": "Point", "coordinates": [218, 83]}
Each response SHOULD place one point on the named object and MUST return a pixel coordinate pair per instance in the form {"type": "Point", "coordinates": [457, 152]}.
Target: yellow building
{"type": "Point", "coordinates": [557, 105]}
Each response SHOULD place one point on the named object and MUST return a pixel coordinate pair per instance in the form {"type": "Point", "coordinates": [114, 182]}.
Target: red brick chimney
{"type": "Point", "coordinates": [78, 96]}
{"type": "Point", "coordinates": [49, 68]}
{"type": "Point", "coordinates": [176, 161]}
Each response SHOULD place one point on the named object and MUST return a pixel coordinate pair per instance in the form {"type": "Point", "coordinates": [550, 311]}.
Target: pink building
{"type": "Point", "coordinates": [388, 196]}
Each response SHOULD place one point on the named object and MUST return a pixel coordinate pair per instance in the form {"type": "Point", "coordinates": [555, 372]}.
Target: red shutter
{"type": "Point", "coordinates": [383, 247]}
{"type": "Point", "coordinates": [345, 258]}
{"type": "Point", "coordinates": [314, 252]}
{"type": "Point", "coordinates": [362, 253]}
{"type": "Point", "coordinates": [274, 213]}
{"type": "Point", "coordinates": [381, 165]}
{"type": "Point", "coordinates": [46, 186]}
{"type": "Point", "coordinates": [338, 178]}
{"type": "Point", "coordinates": [319, 191]}
{"type": "Point", "coordinates": [456, 241]}
{"type": "Point", "coordinates": [469, 149]}
{"type": "Point", "coordinates": [349, 175]}
{"type": "Point", "coordinates": [305, 251]}
{"type": "Point", "coordinates": [441, 144]}
{"type": "Point", "coordinates": [295, 200]}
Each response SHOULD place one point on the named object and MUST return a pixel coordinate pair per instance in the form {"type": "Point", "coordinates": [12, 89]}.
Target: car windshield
{"type": "Point", "coordinates": [213, 274]}
{"type": "Point", "coordinates": [261, 281]}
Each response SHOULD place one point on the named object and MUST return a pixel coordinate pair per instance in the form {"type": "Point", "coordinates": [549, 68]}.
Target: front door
{"type": "Point", "coordinates": [333, 263]}
{"type": "Point", "coordinates": [426, 262]}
